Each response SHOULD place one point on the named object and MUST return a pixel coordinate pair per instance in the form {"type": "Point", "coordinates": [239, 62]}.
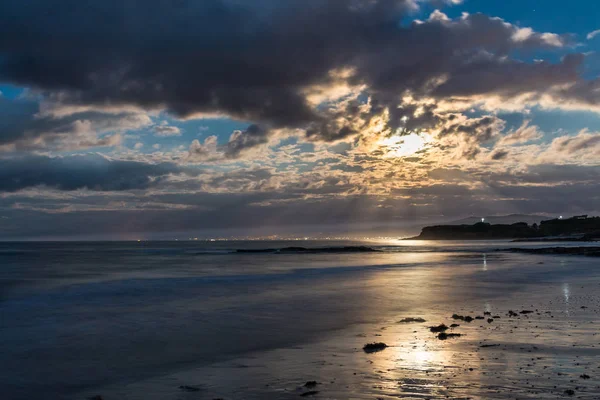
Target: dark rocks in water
{"type": "Point", "coordinates": [187, 388]}
{"type": "Point", "coordinates": [374, 347]}
{"type": "Point", "coordinates": [569, 392]}
{"type": "Point", "coordinates": [439, 328]}
{"type": "Point", "coordinates": [444, 335]}
{"type": "Point", "coordinates": [344, 249]}
{"type": "Point", "coordinates": [454, 326]}
{"type": "Point", "coordinates": [511, 313]}
{"type": "Point", "coordinates": [294, 250]}
{"type": "Point", "coordinates": [349, 249]}
{"type": "Point", "coordinates": [256, 250]}
{"type": "Point", "coordinates": [411, 320]}
{"type": "Point", "coordinates": [496, 317]}
{"type": "Point", "coordinates": [479, 317]}
{"type": "Point", "coordinates": [526, 312]}
{"type": "Point", "coordinates": [309, 393]}
{"type": "Point", "coordinates": [487, 313]}
{"type": "Point", "coordinates": [468, 319]}
{"type": "Point", "coordinates": [483, 346]}
{"type": "Point", "coordinates": [490, 320]}
{"type": "Point", "coordinates": [584, 376]}
{"type": "Point", "coordinates": [311, 384]}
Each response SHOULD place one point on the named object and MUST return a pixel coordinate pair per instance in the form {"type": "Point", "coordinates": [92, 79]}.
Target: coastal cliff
{"type": "Point", "coordinates": [577, 228]}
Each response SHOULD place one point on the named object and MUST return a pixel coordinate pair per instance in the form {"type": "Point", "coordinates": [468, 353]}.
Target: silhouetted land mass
{"type": "Point", "coordinates": [579, 228]}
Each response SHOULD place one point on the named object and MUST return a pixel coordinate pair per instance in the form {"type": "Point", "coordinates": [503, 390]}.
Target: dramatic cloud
{"type": "Point", "coordinates": [254, 61]}
{"type": "Point", "coordinates": [93, 172]}
{"type": "Point", "coordinates": [315, 112]}
{"type": "Point", "coordinates": [25, 125]}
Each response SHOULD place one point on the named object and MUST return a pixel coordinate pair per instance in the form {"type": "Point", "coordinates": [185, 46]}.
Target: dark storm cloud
{"type": "Point", "coordinates": [253, 60]}
{"type": "Point", "coordinates": [438, 47]}
{"type": "Point", "coordinates": [496, 75]}
{"type": "Point", "coordinates": [247, 59]}
{"type": "Point", "coordinates": [92, 172]}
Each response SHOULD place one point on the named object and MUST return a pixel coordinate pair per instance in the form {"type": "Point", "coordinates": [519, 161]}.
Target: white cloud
{"type": "Point", "coordinates": [525, 133]}
{"type": "Point", "coordinates": [593, 34]}
{"type": "Point", "coordinates": [166, 130]}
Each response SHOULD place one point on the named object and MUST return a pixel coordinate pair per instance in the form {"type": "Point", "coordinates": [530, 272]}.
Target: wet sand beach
{"type": "Point", "coordinates": [287, 333]}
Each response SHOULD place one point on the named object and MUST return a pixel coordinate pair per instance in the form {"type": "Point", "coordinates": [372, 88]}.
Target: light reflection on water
{"type": "Point", "coordinates": [567, 294]}
{"type": "Point", "coordinates": [161, 309]}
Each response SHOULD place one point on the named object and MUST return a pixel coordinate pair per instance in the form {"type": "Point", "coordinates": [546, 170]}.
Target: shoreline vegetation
{"type": "Point", "coordinates": [576, 229]}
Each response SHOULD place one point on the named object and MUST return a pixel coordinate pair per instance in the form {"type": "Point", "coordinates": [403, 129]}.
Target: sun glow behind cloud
{"type": "Point", "coordinates": [404, 146]}
{"type": "Point", "coordinates": [384, 121]}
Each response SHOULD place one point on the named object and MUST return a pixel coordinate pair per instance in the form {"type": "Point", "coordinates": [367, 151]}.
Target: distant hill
{"type": "Point", "coordinates": [478, 231]}
{"type": "Point", "coordinates": [587, 228]}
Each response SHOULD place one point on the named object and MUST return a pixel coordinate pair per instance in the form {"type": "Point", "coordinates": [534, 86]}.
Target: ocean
{"type": "Point", "coordinates": [256, 319]}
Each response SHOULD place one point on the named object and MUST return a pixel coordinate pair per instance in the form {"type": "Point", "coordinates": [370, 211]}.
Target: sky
{"type": "Point", "coordinates": [174, 119]}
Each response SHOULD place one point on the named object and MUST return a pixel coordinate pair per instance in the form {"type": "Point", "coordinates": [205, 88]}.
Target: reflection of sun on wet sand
{"type": "Point", "coordinates": [528, 331]}
{"type": "Point", "coordinates": [540, 353]}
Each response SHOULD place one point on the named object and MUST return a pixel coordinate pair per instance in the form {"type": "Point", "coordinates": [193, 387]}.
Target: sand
{"type": "Point", "coordinates": [546, 348]}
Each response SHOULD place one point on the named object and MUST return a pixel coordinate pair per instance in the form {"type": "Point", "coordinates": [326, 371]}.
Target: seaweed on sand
{"type": "Point", "coordinates": [374, 347]}
{"type": "Point", "coordinates": [444, 335]}
{"type": "Point", "coordinates": [462, 317]}
{"type": "Point", "coordinates": [439, 328]}
{"type": "Point", "coordinates": [411, 320]}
